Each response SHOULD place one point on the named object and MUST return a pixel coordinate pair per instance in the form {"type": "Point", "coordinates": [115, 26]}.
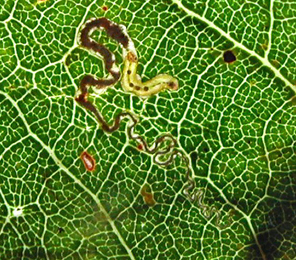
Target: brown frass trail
{"type": "Point", "coordinates": [163, 154]}
{"type": "Point", "coordinates": [115, 32]}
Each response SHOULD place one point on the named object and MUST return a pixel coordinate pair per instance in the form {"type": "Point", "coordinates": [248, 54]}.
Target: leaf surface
{"type": "Point", "coordinates": [233, 120]}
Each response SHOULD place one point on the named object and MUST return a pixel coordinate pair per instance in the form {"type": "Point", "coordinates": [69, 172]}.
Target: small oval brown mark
{"type": "Point", "coordinates": [88, 161]}
{"type": "Point", "coordinates": [105, 8]}
{"type": "Point", "coordinates": [147, 196]}
{"type": "Point", "coordinates": [129, 72]}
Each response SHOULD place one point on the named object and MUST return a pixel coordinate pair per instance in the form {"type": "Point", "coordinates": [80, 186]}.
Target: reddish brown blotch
{"type": "Point", "coordinates": [105, 8]}
{"type": "Point", "coordinates": [147, 196]}
{"type": "Point", "coordinates": [88, 161]}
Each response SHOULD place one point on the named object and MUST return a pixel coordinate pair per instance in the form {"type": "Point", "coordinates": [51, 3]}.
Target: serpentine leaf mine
{"type": "Point", "coordinates": [131, 82]}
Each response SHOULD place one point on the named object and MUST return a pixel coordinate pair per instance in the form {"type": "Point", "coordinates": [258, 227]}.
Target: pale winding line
{"type": "Point", "coordinates": [264, 60]}
{"type": "Point", "coordinates": [65, 169]}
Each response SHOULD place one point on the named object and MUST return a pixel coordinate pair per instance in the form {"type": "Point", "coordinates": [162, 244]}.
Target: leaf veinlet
{"type": "Point", "coordinates": [131, 82]}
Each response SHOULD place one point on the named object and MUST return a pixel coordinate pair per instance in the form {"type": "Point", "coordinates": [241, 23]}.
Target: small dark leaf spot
{"type": "Point", "coordinates": [105, 8]}
{"type": "Point", "coordinates": [193, 157]}
{"type": "Point", "coordinates": [138, 88]}
{"type": "Point", "coordinates": [68, 61]}
{"type": "Point", "coordinates": [60, 230]}
{"type": "Point", "coordinates": [206, 149]}
{"type": "Point", "coordinates": [146, 88]}
{"type": "Point", "coordinates": [147, 196]}
{"type": "Point", "coordinates": [129, 72]}
{"type": "Point", "coordinates": [131, 84]}
{"type": "Point", "coordinates": [229, 56]}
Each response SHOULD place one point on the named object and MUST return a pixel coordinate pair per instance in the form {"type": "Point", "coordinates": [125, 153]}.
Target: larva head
{"type": "Point", "coordinates": [132, 57]}
{"type": "Point", "coordinates": [173, 84]}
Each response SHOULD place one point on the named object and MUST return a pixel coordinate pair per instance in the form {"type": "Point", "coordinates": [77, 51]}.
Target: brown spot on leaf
{"type": "Point", "coordinates": [229, 57]}
{"type": "Point", "coordinates": [68, 61]}
{"type": "Point", "coordinates": [147, 196]}
{"type": "Point", "coordinates": [264, 46]}
{"type": "Point", "coordinates": [275, 63]}
{"type": "Point", "coordinates": [88, 161]}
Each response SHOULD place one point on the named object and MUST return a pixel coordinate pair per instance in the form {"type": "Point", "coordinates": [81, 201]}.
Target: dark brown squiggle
{"type": "Point", "coordinates": [170, 150]}
{"type": "Point", "coordinates": [116, 33]}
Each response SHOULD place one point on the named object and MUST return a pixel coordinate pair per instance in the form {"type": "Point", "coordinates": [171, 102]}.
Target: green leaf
{"type": "Point", "coordinates": [230, 189]}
